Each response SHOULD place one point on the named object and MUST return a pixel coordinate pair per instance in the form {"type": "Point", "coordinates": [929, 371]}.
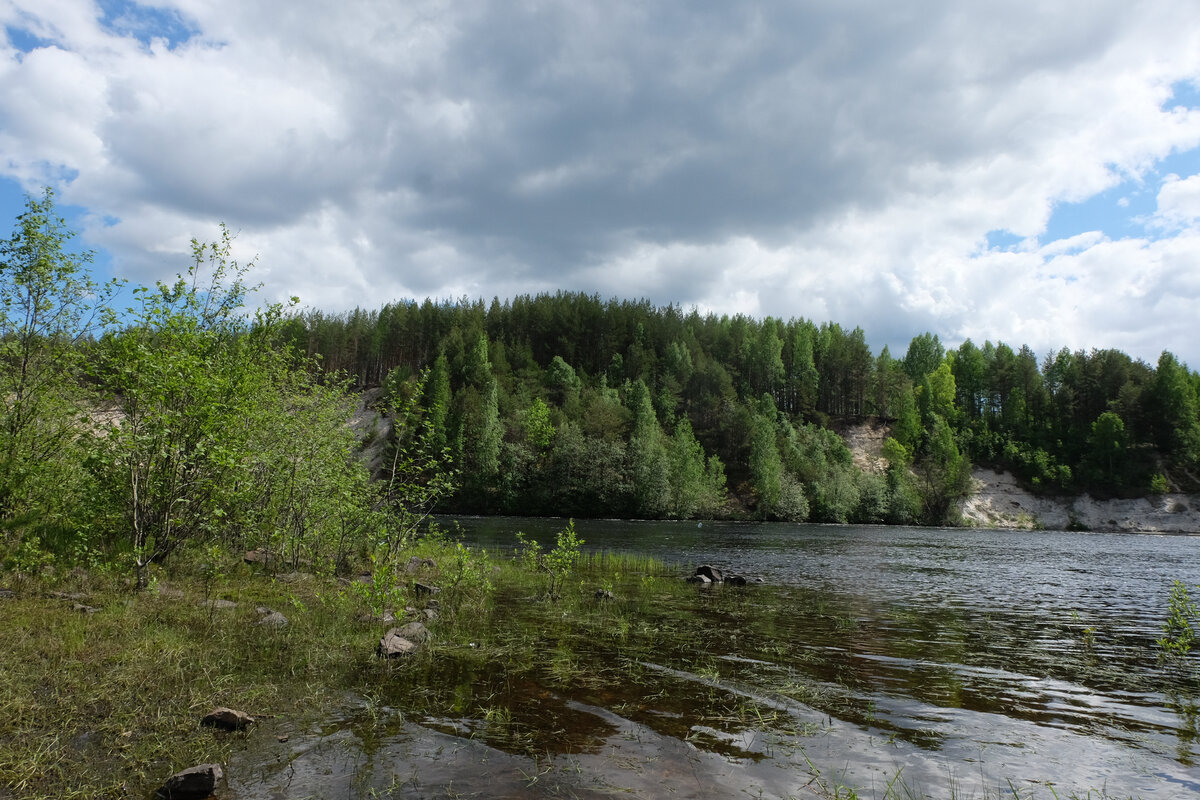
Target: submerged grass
{"type": "Point", "coordinates": [107, 703]}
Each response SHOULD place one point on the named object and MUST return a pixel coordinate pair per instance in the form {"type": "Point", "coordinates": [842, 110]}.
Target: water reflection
{"type": "Point", "coordinates": [896, 627]}
{"type": "Point", "coordinates": [961, 660]}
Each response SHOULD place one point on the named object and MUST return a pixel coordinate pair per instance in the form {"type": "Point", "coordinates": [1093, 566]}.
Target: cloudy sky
{"type": "Point", "coordinates": [1021, 171]}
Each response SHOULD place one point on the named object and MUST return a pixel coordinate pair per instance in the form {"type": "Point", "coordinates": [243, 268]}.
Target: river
{"type": "Point", "coordinates": [903, 662]}
{"type": "Point", "coordinates": [996, 655]}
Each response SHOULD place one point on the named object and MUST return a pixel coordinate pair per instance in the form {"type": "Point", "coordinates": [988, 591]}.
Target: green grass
{"type": "Point", "coordinates": [98, 704]}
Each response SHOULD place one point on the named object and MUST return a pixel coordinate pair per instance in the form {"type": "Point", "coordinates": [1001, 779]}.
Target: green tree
{"type": "Point", "coordinates": [697, 485]}
{"type": "Point", "coordinates": [648, 456]}
{"type": "Point", "coordinates": [946, 472]}
{"type": "Point", "coordinates": [437, 402]}
{"type": "Point", "coordinates": [185, 377]}
{"type": "Point", "coordinates": [539, 430]}
{"type": "Point", "coordinates": [1177, 425]}
{"type": "Point", "coordinates": [766, 467]}
{"type": "Point", "coordinates": [563, 382]}
{"type": "Point", "coordinates": [938, 394]}
{"type": "Point", "coordinates": [48, 307]}
{"type": "Point", "coordinates": [1106, 446]}
{"type": "Point", "coordinates": [925, 354]}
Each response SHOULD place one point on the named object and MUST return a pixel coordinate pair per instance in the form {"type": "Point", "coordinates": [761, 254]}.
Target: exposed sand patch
{"type": "Point", "coordinates": [997, 501]}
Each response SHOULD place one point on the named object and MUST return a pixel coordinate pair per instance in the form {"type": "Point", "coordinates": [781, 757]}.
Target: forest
{"type": "Point", "coordinates": [570, 404]}
{"type": "Point", "coordinates": [136, 419]}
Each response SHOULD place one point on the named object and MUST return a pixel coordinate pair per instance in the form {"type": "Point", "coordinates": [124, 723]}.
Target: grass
{"type": "Point", "coordinates": [108, 703]}
{"type": "Point", "coordinates": [96, 704]}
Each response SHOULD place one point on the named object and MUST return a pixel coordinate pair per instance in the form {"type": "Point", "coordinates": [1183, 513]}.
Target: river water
{"type": "Point", "coordinates": [981, 656]}
{"type": "Point", "coordinates": [904, 662]}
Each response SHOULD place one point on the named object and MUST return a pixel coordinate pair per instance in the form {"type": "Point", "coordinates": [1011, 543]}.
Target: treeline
{"type": "Point", "coordinates": [569, 404]}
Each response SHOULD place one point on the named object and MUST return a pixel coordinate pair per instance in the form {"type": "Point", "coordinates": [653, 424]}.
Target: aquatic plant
{"type": "Point", "coordinates": [1179, 636]}
{"type": "Point", "coordinates": [558, 562]}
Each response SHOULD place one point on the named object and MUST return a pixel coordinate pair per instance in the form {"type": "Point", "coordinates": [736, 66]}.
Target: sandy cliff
{"type": "Point", "coordinates": [997, 501]}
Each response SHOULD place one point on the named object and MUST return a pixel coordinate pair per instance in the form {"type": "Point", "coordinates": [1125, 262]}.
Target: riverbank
{"type": "Point", "coordinates": [903, 662]}
{"type": "Point", "coordinates": [997, 500]}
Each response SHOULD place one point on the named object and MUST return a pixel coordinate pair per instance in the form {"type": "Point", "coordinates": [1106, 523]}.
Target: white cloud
{"type": "Point", "coordinates": [1179, 202]}
{"type": "Point", "coordinates": [841, 162]}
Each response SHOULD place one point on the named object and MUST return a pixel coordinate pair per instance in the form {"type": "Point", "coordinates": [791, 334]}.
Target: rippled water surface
{"type": "Point", "coordinates": [903, 662]}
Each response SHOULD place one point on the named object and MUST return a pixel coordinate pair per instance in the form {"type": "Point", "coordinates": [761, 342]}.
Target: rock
{"type": "Point", "coordinates": [272, 619]}
{"type": "Point", "coordinates": [258, 557]}
{"type": "Point", "coordinates": [430, 614]}
{"type": "Point", "coordinates": [604, 594]}
{"type": "Point", "coordinates": [82, 609]}
{"type": "Point", "coordinates": [6, 593]}
{"type": "Point", "coordinates": [703, 580]}
{"type": "Point", "coordinates": [227, 719]}
{"type": "Point", "coordinates": [413, 631]}
{"type": "Point", "coordinates": [193, 783]}
{"type": "Point", "coordinates": [710, 572]}
{"type": "Point", "coordinates": [221, 604]}
{"type": "Point", "coordinates": [424, 589]}
{"type": "Point", "coordinates": [735, 580]}
{"type": "Point", "coordinates": [76, 596]}
{"type": "Point", "coordinates": [393, 645]}
{"type": "Point", "coordinates": [416, 564]}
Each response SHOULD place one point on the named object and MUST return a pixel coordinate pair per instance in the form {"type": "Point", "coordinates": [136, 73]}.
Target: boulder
{"type": "Point", "coordinates": [227, 719]}
{"type": "Point", "coordinates": [221, 604]}
{"type": "Point", "coordinates": [416, 564]}
{"type": "Point", "coordinates": [703, 580]}
{"type": "Point", "coordinates": [424, 589]}
{"type": "Point", "coordinates": [393, 645]}
{"type": "Point", "coordinates": [736, 580]}
{"type": "Point", "coordinates": [710, 572]}
{"type": "Point", "coordinates": [193, 783]}
{"type": "Point", "coordinates": [82, 609]}
{"type": "Point", "coordinates": [413, 631]}
{"type": "Point", "coordinates": [258, 557]}
{"type": "Point", "coordinates": [270, 618]}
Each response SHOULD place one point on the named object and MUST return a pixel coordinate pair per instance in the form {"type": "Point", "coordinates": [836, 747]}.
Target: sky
{"type": "Point", "coordinates": [1026, 172]}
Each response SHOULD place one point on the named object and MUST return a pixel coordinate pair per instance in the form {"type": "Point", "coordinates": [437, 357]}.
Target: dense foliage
{"type": "Point", "coordinates": [180, 420]}
{"type": "Point", "coordinates": [568, 404]}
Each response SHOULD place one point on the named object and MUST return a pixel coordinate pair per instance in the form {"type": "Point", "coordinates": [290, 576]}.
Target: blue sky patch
{"type": "Point", "coordinates": [1002, 240]}
{"type": "Point", "coordinates": [1124, 210]}
{"type": "Point", "coordinates": [23, 40]}
{"type": "Point", "coordinates": [1183, 93]}
{"type": "Point", "coordinates": [146, 23]}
